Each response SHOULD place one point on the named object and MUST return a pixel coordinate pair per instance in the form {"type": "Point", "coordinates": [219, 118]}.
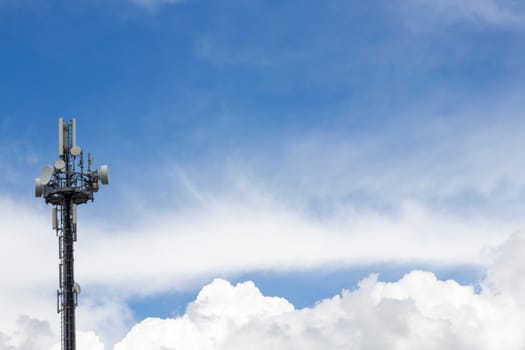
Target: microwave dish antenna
{"type": "Point", "coordinates": [75, 150]}
{"type": "Point", "coordinates": [60, 164]}
{"type": "Point", "coordinates": [46, 174]}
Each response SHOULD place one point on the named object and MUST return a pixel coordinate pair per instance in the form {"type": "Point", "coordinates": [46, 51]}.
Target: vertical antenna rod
{"type": "Point", "coordinates": [65, 185]}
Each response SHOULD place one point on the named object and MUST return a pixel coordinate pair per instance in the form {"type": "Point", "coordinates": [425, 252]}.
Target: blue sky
{"type": "Point", "coordinates": [300, 144]}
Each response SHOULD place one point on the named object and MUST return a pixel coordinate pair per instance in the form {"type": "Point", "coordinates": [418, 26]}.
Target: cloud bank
{"type": "Point", "coordinates": [417, 312]}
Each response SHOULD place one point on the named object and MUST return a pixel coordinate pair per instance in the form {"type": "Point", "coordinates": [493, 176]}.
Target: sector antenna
{"type": "Point", "coordinates": [65, 185]}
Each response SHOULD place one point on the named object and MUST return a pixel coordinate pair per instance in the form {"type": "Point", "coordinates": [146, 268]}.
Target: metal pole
{"type": "Point", "coordinates": [68, 282]}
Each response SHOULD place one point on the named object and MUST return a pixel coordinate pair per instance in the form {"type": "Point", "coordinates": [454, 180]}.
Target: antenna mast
{"type": "Point", "coordinates": [65, 185]}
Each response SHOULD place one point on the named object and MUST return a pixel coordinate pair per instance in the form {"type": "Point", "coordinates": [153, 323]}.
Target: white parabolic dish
{"type": "Point", "coordinates": [60, 164]}
{"type": "Point", "coordinates": [75, 150]}
{"type": "Point", "coordinates": [45, 174]}
{"type": "Point", "coordinates": [103, 174]}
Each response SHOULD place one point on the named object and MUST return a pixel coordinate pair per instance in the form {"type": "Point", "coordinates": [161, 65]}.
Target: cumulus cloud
{"type": "Point", "coordinates": [106, 316]}
{"type": "Point", "coordinates": [85, 341]}
{"type": "Point", "coordinates": [219, 307]}
{"type": "Point", "coordinates": [30, 334]}
{"type": "Point", "coordinates": [35, 334]}
{"type": "Point", "coordinates": [417, 312]}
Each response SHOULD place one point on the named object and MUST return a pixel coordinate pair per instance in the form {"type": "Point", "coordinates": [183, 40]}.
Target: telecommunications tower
{"type": "Point", "coordinates": [65, 185]}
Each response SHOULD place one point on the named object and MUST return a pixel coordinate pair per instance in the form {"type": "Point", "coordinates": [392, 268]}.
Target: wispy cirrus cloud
{"type": "Point", "coordinates": [152, 5]}
{"type": "Point", "coordinates": [492, 12]}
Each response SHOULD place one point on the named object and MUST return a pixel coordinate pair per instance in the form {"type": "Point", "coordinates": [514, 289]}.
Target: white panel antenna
{"type": "Point", "coordinates": [74, 127]}
{"type": "Point", "coordinates": [54, 218]}
{"type": "Point", "coordinates": [38, 188]}
{"type": "Point", "coordinates": [60, 136]}
{"type": "Point", "coordinates": [74, 214]}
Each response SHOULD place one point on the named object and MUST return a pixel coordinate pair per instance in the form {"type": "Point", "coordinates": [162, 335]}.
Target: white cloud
{"type": "Point", "coordinates": [417, 312]}
{"type": "Point", "coordinates": [504, 276]}
{"type": "Point", "coordinates": [29, 334]}
{"type": "Point", "coordinates": [34, 334]}
{"type": "Point", "coordinates": [107, 317]}
{"type": "Point", "coordinates": [207, 321]}
{"type": "Point", "coordinates": [85, 341]}
{"type": "Point", "coordinates": [29, 264]}
{"type": "Point", "coordinates": [178, 249]}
